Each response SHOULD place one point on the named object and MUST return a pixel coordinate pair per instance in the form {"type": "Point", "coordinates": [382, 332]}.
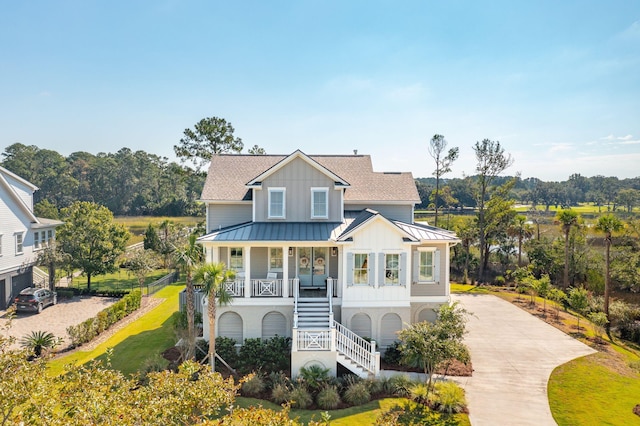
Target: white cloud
{"type": "Point", "coordinates": [608, 138]}
{"type": "Point", "coordinates": [560, 147]}
{"type": "Point", "coordinates": [625, 138]}
{"type": "Point", "coordinates": [407, 93]}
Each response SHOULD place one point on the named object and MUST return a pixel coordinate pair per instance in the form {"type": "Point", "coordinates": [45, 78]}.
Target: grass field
{"type": "Point", "coordinates": [137, 225]}
{"type": "Point", "coordinates": [132, 345]}
{"type": "Point", "coordinates": [123, 279]}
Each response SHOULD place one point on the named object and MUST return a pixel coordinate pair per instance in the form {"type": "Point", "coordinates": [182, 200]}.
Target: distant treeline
{"type": "Point", "coordinates": [127, 182]}
{"type": "Point", "coordinates": [600, 190]}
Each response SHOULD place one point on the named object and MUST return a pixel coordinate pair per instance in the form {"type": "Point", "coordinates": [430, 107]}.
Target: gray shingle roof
{"type": "Point", "coordinates": [228, 175]}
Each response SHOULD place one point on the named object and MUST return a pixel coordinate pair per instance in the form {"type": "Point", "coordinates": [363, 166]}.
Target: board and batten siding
{"type": "Point", "coordinates": [376, 239]}
{"type": "Point", "coordinates": [223, 215]}
{"type": "Point", "coordinates": [298, 177]}
{"type": "Point", "coordinates": [401, 212]}
{"type": "Point", "coordinates": [12, 220]}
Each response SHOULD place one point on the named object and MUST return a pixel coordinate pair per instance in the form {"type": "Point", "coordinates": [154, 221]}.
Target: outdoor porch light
{"type": "Point", "coordinates": [290, 251]}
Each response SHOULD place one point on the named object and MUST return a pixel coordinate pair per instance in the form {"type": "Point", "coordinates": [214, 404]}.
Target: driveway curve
{"type": "Point", "coordinates": [513, 355]}
{"type": "Point", "coordinates": [55, 319]}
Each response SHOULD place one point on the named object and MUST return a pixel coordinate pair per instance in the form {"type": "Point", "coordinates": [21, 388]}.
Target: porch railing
{"type": "Point", "coordinates": [356, 348]}
{"type": "Point", "coordinates": [313, 340]}
{"type": "Point", "coordinates": [235, 287]}
{"type": "Point", "coordinates": [261, 287]}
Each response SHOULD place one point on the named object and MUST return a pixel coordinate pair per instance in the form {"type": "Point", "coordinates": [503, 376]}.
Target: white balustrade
{"type": "Point", "coordinates": [356, 348]}
{"type": "Point", "coordinates": [235, 288]}
{"type": "Point", "coordinates": [313, 340]}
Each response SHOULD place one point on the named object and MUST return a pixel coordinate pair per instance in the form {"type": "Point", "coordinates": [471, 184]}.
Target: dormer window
{"type": "Point", "coordinates": [319, 203]}
{"type": "Point", "coordinates": [277, 203]}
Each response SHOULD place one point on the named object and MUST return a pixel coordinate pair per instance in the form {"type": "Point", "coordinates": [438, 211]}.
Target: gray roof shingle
{"type": "Point", "coordinates": [228, 175]}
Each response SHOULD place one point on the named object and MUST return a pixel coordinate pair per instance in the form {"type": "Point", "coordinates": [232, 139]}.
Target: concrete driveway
{"type": "Point", "coordinates": [513, 355]}
{"type": "Point", "coordinates": [56, 318]}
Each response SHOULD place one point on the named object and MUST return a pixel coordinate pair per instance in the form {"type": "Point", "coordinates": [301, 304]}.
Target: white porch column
{"type": "Point", "coordinates": [247, 271]}
{"type": "Point", "coordinates": [341, 277]}
{"type": "Point", "coordinates": [285, 271]}
{"type": "Point", "coordinates": [214, 254]}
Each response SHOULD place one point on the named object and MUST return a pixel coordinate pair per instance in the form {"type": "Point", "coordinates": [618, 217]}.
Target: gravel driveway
{"type": "Point", "coordinates": [56, 318]}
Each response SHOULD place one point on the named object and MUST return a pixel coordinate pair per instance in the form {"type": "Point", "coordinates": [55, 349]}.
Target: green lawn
{"type": "Point", "coordinates": [122, 279]}
{"type": "Point", "coordinates": [594, 390]}
{"type": "Point", "coordinates": [133, 344]}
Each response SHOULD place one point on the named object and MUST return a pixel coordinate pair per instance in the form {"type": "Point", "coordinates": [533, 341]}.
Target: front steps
{"type": "Point", "coordinates": [313, 313]}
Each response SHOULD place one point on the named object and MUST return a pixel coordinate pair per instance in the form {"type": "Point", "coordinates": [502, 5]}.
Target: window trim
{"type": "Point", "coordinates": [367, 270]}
{"type": "Point", "coordinates": [434, 266]}
{"type": "Point", "coordinates": [280, 268]}
{"type": "Point", "coordinates": [1, 237]}
{"type": "Point", "coordinates": [283, 191]}
{"type": "Point", "coordinates": [20, 244]}
{"type": "Point", "coordinates": [241, 258]}
{"type": "Point", "coordinates": [386, 270]}
{"type": "Point", "coordinates": [36, 241]}
{"type": "Point", "coordinates": [320, 190]}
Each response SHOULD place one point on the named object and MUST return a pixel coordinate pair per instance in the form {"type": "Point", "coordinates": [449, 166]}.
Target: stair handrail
{"type": "Point", "coordinates": [296, 294]}
{"type": "Point", "coordinates": [355, 348]}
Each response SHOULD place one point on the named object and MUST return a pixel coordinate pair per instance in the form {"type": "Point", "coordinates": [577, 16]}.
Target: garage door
{"type": "Point", "coordinates": [230, 325]}
{"type": "Point", "coordinates": [274, 323]}
{"type": "Point", "coordinates": [361, 325]}
{"type": "Point", "coordinates": [390, 324]}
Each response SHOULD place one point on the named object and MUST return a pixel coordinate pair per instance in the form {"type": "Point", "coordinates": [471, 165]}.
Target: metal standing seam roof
{"type": "Point", "coordinates": [280, 231]}
{"type": "Point", "coordinates": [426, 232]}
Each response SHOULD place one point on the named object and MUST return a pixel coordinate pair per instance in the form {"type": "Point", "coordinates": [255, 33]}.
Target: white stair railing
{"type": "Point", "coordinates": [355, 348]}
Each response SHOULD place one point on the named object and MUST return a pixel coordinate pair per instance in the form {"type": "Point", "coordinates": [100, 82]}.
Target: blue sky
{"type": "Point", "coordinates": [556, 82]}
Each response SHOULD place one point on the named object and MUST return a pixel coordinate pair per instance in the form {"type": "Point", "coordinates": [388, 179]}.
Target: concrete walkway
{"type": "Point", "coordinates": [513, 355]}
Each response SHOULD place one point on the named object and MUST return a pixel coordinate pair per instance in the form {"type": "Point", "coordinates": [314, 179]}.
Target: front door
{"type": "Point", "coordinates": [313, 268]}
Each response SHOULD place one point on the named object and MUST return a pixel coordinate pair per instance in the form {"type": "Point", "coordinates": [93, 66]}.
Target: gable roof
{"type": "Point", "coordinates": [229, 174]}
{"type": "Point", "coordinates": [368, 216]}
{"type": "Point", "coordinates": [297, 154]}
{"type": "Point", "coordinates": [4, 174]}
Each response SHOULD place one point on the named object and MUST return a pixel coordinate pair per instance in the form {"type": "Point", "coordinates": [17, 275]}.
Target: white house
{"type": "Point", "coordinates": [326, 252]}
{"type": "Point", "coordinates": [21, 235]}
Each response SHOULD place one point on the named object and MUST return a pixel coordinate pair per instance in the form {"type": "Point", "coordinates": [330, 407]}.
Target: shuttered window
{"type": "Point", "coordinates": [274, 323]}
{"type": "Point", "coordinates": [230, 325]}
{"type": "Point", "coordinates": [361, 325]}
{"type": "Point", "coordinates": [389, 326]}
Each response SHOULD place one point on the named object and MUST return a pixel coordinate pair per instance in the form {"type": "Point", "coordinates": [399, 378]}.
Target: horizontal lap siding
{"type": "Point", "coordinates": [223, 215]}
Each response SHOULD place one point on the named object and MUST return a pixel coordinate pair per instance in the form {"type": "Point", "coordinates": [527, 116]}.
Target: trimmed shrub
{"type": "Point", "coordinates": [314, 377]}
{"type": "Point", "coordinates": [280, 393]}
{"type": "Point", "coordinates": [226, 349]}
{"type": "Point", "coordinates": [449, 398]}
{"type": "Point", "coordinates": [268, 355]}
{"type": "Point", "coordinates": [254, 385]}
{"type": "Point", "coordinates": [392, 355]}
{"type": "Point", "coordinates": [300, 397]}
{"type": "Point", "coordinates": [328, 398]}
{"type": "Point", "coordinates": [90, 328]}
{"type": "Point", "coordinates": [400, 386]}
{"type": "Point", "coordinates": [357, 394]}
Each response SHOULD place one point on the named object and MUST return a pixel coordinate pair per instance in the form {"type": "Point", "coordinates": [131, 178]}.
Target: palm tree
{"type": "Point", "coordinates": [522, 231]}
{"type": "Point", "coordinates": [608, 224]}
{"type": "Point", "coordinates": [187, 257]}
{"type": "Point", "coordinates": [567, 218]}
{"type": "Point", "coordinates": [213, 276]}
{"type": "Point", "coordinates": [38, 341]}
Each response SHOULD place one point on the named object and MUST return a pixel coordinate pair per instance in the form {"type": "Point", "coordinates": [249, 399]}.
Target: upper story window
{"type": "Point", "coordinates": [19, 243]}
{"type": "Point", "coordinates": [275, 259]}
{"type": "Point", "coordinates": [319, 203]}
{"type": "Point", "coordinates": [235, 259]}
{"type": "Point", "coordinates": [276, 203]}
{"type": "Point", "coordinates": [36, 239]}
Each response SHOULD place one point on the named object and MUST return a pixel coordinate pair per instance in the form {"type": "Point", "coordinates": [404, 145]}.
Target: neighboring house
{"type": "Point", "coordinates": [21, 235]}
{"type": "Point", "coordinates": [325, 252]}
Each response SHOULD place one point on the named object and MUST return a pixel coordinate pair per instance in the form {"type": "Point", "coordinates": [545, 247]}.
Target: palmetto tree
{"type": "Point", "coordinates": [38, 341]}
{"type": "Point", "coordinates": [608, 224]}
{"type": "Point", "coordinates": [567, 218]}
{"type": "Point", "coordinates": [188, 257]}
{"type": "Point", "coordinates": [521, 230]}
{"type": "Point", "coordinates": [213, 277]}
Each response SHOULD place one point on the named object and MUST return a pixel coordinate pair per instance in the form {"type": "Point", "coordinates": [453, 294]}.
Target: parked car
{"type": "Point", "coordinates": [35, 299]}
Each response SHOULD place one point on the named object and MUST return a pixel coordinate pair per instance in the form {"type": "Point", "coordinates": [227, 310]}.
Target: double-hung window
{"type": "Point", "coordinates": [319, 203]}
{"type": "Point", "coordinates": [275, 259]}
{"type": "Point", "coordinates": [19, 243]}
{"type": "Point", "coordinates": [235, 259]}
{"type": "Point", "coordinates": [277, 203]}
{"type": "Point", "coordinates": [392, 269]}
{"type": "Point", "coordinates": [360, 268]}
{"type": "Point", "coordinates": [36, 239]}
{"type": "Point", "coordinates": [426, 266]}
